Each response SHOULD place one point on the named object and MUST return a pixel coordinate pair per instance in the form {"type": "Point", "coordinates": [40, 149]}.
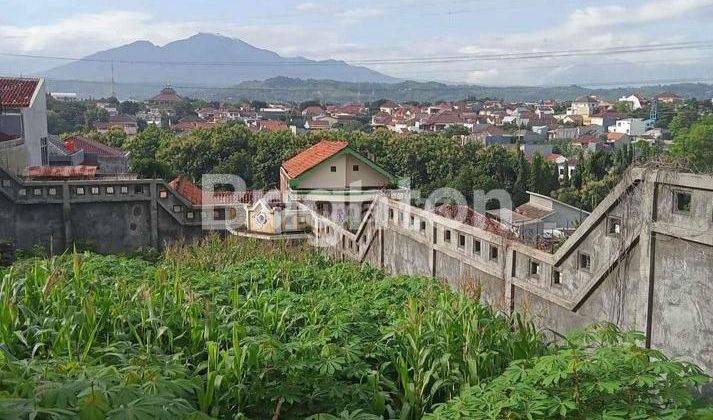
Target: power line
{"type": "Point", "coordinates": [401, 61]}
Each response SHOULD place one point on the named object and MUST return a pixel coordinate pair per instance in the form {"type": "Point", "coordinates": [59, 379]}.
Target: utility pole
{"type": "Point", "coordinates": [654, 114]}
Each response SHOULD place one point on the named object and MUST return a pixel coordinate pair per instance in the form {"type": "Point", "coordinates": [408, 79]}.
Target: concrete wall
{"type": "Point", "coordinates": [35, 125]}
{"type": "Point", "coordinates": [322, 177]}
{"type": "Point", "coordinates": [652, 273]}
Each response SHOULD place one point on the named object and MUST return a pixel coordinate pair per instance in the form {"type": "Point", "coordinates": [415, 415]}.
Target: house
{"type": "Point", "coordinates": [312, 111]}
{"type": "Point", "coordinates": [669, 98]}
{"type": "Point", "coordinates": [329, 175]}
{"type": "Point", "coordinates": [565, 166]}
{"type": "Point", "coordinates": [64, 96]}
{"type": "Point", "coordinates": [583, 105]}
{"type": "Point", "coordinates": [165, 100]}
{"type": "Point", "coordinates": [606, 119]}
{"type": "Point", "coordinates": [270, 125]}
{"type": "Point", "coordinates": [541, 216]}
{"type": "Point", "coordinates": [23, 124]}
{"type": "Point", "coordinates": [108, 160]}
{"type": "Point", "coordinates": [388, 107]}
{"type": "Point", "coordinates": [530, 149]}
{"type": "Point", "coordinates": [125, 123]}
{"type": "Point", "coordinates": [636, 101]}
{"type": "Point", "coordinates": [618, 138]}
{"type": "Point", "coordinates": [632, 126]}
{"type": "Point", "coordinates": [318, 125]}
{"type": "Point", "coordinates": [488, 134]}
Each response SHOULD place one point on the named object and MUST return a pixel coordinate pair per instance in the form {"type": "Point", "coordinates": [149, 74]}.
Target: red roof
{"type": "Point", "coordinates": [272, 125]}
{"type": "Point", "coordinates": [312, 156]}
{"type": "Point", "coordinates": [17, 92]}
{"type": "Point", "coordinates": [62, 172]}
{"type": "Point", "coordinates": [194, 194]}
{"type": "Point", "coordinates": [75, 143]}
{"type": "Point", "coordinates": [472, 218]}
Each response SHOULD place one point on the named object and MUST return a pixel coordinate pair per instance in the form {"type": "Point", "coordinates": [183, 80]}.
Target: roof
{"type": "Point", "coordinates": [472, 218]}
{"type": "Point", "coordinates": [167, 95]}
{"type": "Point", "coordinates": [16, 92]}
{"type": "Point", "coordinates": [588, 99]}
{"type": "Point", "coordinates": [62, 172]}
{"type": "Point", "coordinates": [615, 136]}
{"type": "Point", "coordinates": [312, 156]}
{"type": "Point", "coordinates": [510, 216]}
{"type": "Point", "coordinates": [533, 212]}
{"type": "Point", "coordinates": [313, 110]}
{"type": "Point", "coordinates": [194, 194]}
{"type": "Point", "coordinates": [6, 137]}
{"type": "Point", "coordinates": [75, 143]}
{"type": "Point", "coordinates": [272, 125]}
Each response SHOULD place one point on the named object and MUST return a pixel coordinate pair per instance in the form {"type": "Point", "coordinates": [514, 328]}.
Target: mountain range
{"type": "Point", "coordinates": [204, 60]}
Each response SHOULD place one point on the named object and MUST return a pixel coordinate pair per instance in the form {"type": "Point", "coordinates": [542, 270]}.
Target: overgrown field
{"type": "Point", "coordinates": [237, 329]}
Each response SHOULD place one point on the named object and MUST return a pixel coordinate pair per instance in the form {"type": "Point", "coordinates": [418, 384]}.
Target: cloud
{"type": "Point", "coordinates": [306, 7]}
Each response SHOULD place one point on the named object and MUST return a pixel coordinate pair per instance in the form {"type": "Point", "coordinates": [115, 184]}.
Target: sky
{"type": "Point", "coordinates": [397, 29]}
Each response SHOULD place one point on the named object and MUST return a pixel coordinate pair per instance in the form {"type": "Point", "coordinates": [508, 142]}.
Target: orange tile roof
{"type": "Point", "coordinates": [312, 156]}
{"type": "Point", "coordinates": [194, 194]}
{"type": "Point", "coordinates": [17, 92]}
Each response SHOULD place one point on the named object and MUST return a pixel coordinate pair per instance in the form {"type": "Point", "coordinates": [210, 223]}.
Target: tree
{"type": "Point", "coordinates": [129, 107]}
{"type": "Point", "coordinates": [683, 119]}
{"type": "Point", "coordinates": [144, 149]}
{"type": "Point", "coordinates": [695, 145]}
{"type": "Point", "coordinates": [95, 114]}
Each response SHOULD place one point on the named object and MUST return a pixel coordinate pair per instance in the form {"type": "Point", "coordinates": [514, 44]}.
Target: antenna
{"type": "Point", "coordinates": [113, 88]}
{"type": "Point", "coordinates": [654, 114]}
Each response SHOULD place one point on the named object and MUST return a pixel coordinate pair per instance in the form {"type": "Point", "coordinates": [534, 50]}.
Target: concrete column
{"type": "Point", "coordinates": [67, 216]}
{"type": "Point", "coordinates": [153, 192]}
{"type": "Point", "coordinates": [647, 261]}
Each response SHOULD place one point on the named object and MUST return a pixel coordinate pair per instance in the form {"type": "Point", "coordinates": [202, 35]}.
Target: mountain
{"type": "Point", "coordinates": [296, 90]}
{"type": "Point", "coordinates": [204, 60]}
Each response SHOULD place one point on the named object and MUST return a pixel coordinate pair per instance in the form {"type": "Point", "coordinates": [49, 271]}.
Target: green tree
{"type": "Point", "coordinates": [695, 145]}
{"type": "Point", "coordinates": [144, 149]}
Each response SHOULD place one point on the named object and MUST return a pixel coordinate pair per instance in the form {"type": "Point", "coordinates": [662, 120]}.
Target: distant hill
{"type": "Point", "coordinates": [205, 60]}
{"type": "Point", "coordinates": [296, 90]}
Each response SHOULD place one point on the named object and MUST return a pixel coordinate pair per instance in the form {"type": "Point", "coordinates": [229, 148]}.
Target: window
{"type": "Point", "coordinates": [614, 226]}
{"type": "Point", "coordinates": [423, 225]}
{"type": "Point", "coordinates": [447, 235]}
{"type": "Point", "coordinates": [110, 190]}
{"type": "Point", "coordinates": [124, 189]}
{"type": "Point", "coordinates": [95, 190]}
{"type": "Point", "coordinates": [461, 240]}
{"type": "Point", "coordinates": [52, 192]}
{"type": "Point", "coordinates": [494, 251]}
{"type": "Point", "coordinates": [177, 208]}
{"type": "Point", "coordinates": [585, 261]}
{"type": "Point", "coordinates": [413, 221]}
{"type": "Point", "coordinates": [6, 183]}
{"type": "Point", "coordinates": [333, 169]}
{"type": "Point", "coordinates": [682, 201]}
{"type": "Point", "coordinates": [138, 189]}
{"type": "Point", "coordinates": [435, 235]}
{"type": "Point", "coordinates": [391, 213]}
{"type": "Point", "coordinates": [190, 215]}
{"type": "Point", "coordinates": [476, 246]}
{"type": "Point", "coordinates": [37, 192]}
{"type": "Point", "coordinates": [355, 168]}
{"type": "Point", "coordinates": [163, 193]}
{"type": "Point", "coordinates": [556, 276]}
{"type": "Point", "coordinates": [80, 191]}
{"type": "Point", "coordinates": [22, 192]}
{"type": "Point", "coordinates": [534, 268]}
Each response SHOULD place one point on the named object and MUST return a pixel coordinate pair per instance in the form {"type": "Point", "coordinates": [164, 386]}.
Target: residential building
{"type": "Point", "coordinates": [23, 124]}
{"type": "Point", "coordinates": [636, 101]}
{"type": "Point", "coordinates": [108, 160]}
{"type": "Point", "coordinates": [583, 105]}
{"type": "Point", "coordinates": [632, 126]}
{"type": "Point", "coordinates": [330, 175]}
{"type": "Point", "coordinates": [125, 123]}
{"type": "Point", "coordinates": [669, 98]}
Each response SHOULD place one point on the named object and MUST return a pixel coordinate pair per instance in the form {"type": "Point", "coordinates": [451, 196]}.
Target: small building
{"type": "Point", "coordinates": [330, 175]}
{"type": "Point", "coordinates": [166, 99]}
{"type": "Point", "coordinates": [23, 124]}
{"type": "Point", "coordinates": [632, 126]}
{"type": "Point", "coordinates": [669, 98]}
{"type": "Point", "coordinates": [636, 101]}
{"type": "Point", "coordinates": [125, 123]}
{"type": "Point", "coordinates": [583, 105]}
{"type": "Point", "coordinates": [108, 160]}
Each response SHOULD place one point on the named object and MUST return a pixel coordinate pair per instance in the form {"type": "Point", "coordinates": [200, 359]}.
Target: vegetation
{"type": "Point", "coordinates": [600, 373]}
{"type": "Point", "coordinates": [233, 329]}
{"type": "Point", "coordinates": [239, 329]}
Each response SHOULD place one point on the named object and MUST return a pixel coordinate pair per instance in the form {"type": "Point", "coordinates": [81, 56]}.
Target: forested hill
{"type": "Point", "coordinates": [298, 90]}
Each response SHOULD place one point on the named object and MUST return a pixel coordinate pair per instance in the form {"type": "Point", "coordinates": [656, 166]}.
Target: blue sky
{"type": "Point", "coordinates": [368, 29]}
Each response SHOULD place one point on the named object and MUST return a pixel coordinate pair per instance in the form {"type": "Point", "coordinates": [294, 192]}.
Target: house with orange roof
{"type": "Point", "coordinates": [23, 124]}
{"type": "Point", "coordinates": [331, 172]}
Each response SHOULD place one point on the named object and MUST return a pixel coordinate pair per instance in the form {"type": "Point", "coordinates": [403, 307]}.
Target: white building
{"type": "Point", "coordinates": [636, 101]}
{"type": "Point", "coordinates": [632, 126]}
{"type": "Point", "coordinates": [23, 124]}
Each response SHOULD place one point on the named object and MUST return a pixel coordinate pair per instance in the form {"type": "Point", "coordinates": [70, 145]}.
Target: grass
{"type": "Point", "coordinates": [239, 329]}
